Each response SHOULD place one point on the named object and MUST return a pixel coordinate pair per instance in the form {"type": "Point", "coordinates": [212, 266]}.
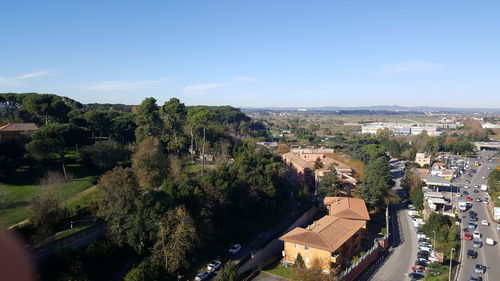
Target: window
{"type": "Point", "coordinates": [296, 246]}
{"type": "Point", "coordinates": [306, 248]}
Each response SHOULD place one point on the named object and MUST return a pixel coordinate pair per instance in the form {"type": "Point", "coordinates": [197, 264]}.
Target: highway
{"type": "Point", "coordinates": [488, 256]}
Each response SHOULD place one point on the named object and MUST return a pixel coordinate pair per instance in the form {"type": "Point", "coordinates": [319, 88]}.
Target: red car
{"type": "Point", "coordinates": [468, 198]}
{"type": "Point", "coordinates": [418, 268]}
{"type": "Point", "coordinates": [467, 236]}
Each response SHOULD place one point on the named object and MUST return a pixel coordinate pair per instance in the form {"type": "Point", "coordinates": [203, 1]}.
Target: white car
{"type": "Point", "coordinates": [202, 276]}
{"type": "Point", "coordinates": [476, 234]}
{"type": "Point", "coordinates": [489, 241]}
{"type": "Point", "coordinates": [459, 195]}
{"type": "Point", "coordinates": [214, 266]}
{"type": "Point", "coordinates": [235, 248]}
{"type": "Point", "coordinates": [485, 222]}
{"type": "Point", "coordinates": [485, 201]}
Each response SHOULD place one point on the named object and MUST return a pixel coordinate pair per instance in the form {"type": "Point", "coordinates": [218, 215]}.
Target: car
{"type": "Point", "coordinates": [476, 243]}
{"type": "Point", "coordinates": [476, 191]}
{"type": "Point", "coordinates": [474, 277]}
{"type": "Point", "coordinates": [235, 248]}
{"type": "Point", "coordinates": [468, 198]}
{"type": "Point", "coordinates": [423, 240]}
{"type": "Point", "coordinates": [214, 266]}
{"type": "Point", "coordinates": [476, 234]}
{"type": "Point", "coordinates": [490, 241]}
{"type": "Point", "coordinates": [485, 201]}
{"type": "Point", "coordinates": [466, 193]}
{"type": "Point", "coordinates": [202, 276]}
{"type": "Point", "coordinates": [483, 177]}
{"type": "Point", "coordinates": [478, 200]}
{"type": "Point", "coordinates": [459, 195]}
{"type": "Point", "coordinates": [485, 222]}
{"type": "Point", "coordinates": [471, 254]}
{"type": "Point", "coordinates": [479, 268]}
{"type": "Point", "coordinates": [473, 218]}
{"type": "Point", "coordinates": [415, 275]}
{"type": "Point", "coordinates": [425, 248]}
{"type": "Point", "coordinates": [421, 262]}
{"type": "Point", "coordinates": [498, 227]}
{"type": "Point", "coordinates": [421, 268]}
{"type": "Point", "coordinates": [472, 213]}
{"type": "Point", "coordinates": [421, 235]}
{"type": "Point", "coordinates": [471, 225]}
{"type": "Point", "coordinates": [476, 186]}
{"type": "Point", "coordinates": [467, 236]}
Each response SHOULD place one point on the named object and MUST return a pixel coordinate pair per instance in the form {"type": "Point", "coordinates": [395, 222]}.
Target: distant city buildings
{"type": "Point", "coordinates": [407, 129]}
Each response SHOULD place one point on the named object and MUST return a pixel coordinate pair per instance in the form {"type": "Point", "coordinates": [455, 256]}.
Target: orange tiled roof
{"type": "Point", "coordinates": [297, 161]}
{"type": "Point", "coordinates": [347, 207]}
{"type": "Point", "coordinates": [328, 233]}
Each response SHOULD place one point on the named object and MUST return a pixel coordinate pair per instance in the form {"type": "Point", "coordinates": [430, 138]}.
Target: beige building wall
{"type": "Point", "coordinates": [292, 250]}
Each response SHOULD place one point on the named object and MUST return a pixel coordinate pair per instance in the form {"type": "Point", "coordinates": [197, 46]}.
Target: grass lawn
{"type": "Point", "coordinates": [19, 188]}
{"type": "Point", "coordinates": [279, 269]}
{"type": "Point", "coordinates": [82, 201]}
{"type": "Point", "coordinates": [68, 232]}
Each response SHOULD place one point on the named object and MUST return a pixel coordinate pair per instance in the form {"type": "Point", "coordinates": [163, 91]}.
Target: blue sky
{"type": "Point", "coordinates": [255, 53]}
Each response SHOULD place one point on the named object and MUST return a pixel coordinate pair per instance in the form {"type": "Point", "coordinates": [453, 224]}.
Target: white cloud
{"type": "Point", "coordinates": [244, 79]}
{"type": "Point", "coordinates": [16, 81]}
{"type": "Point", "coordinates": [410, 66]}
{"type": "Point", "coordinates": [201, 88]}
{"type": "Point", "coordinates": [33, 75]}
{"type": "Point", "coordinates": [125, 85]}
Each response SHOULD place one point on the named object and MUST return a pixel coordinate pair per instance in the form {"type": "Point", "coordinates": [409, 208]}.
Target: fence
{"type": "Point", "coordinates": [74, 241]}
{"type": "Point", "coordinates": [379, 245]}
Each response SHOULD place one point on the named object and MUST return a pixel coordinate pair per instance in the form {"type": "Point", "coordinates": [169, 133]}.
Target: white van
{"type": "Point", "coordinates": [490, 241]}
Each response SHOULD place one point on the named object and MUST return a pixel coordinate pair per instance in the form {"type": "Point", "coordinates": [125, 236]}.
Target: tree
{"type": "Point", "coordinates": [100, 121]}
{"type": "Point", "coordinates": [173, 113]}
{"type": "Point", "coordinates": [417, 197]}
{"type": "Point", "coordinates": [147, 120]}
{"type": "Point", "coordinates": [123, 128]}
{"type": "Point", "coordinates": [53, 140]}
{"type": "Point", "coordinates": [329, 184]}
{"type": "Point", "coordinates": [145, 270]}
{"type": "Point", "coordinates": [103, 155]}
{"type": "Point", "coordinates": [118, 193]}
{"type": "Point", "coordinates": [229, 272]}
{"type": "Point", "coordinates": [48, 108]}
{"type": "Point", "coordinates": [376, 182]}
{"type": "Point", "coordinates": [47, 213]}
{"type": "Point", "coordinates": [176, 239]}
{"type": "Point", "coordinates": [299, 261]}
{"type": "Point", "coordinates": [149, 163]}
{"type": "Point", "coordinates": [199, 119]}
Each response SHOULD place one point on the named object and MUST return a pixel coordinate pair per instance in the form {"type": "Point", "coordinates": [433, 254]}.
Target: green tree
{"type": "Point", "coordinates": [329, 184]}
{"type": "Point", "coordinates": [299, 261]}
{"type": "Point", "coordinates": [149, 163]}
{"type": "Point", "coordinates": [145, 270]}
{"type": "Point", "coordinates": [417, 197]}
{"type": "Point", "coordinates": [48, 108]}
{"type": "Point", "coordinates": [100, 121]}
{"type": "Point", "coordinates": [54, 139]}
{"type": "Point", "coordinates": [229, 272]}
{"type": "Point", "coordinates": [176, 239]}
{"type": "Point", "coordinates": [147, 120]}
{"type": "Point", "coordinates": [103, 155]}
{"type": "Point", "coordinates": [123, 128]}
{"type": "Point", "coordinates": [174, 114]}
{"type": "Point", "coordinates": [118, 193]}
{"type": "Point", "coordinates": [47, 213]}
{"type": "Point", "coordinates": [376, 182]}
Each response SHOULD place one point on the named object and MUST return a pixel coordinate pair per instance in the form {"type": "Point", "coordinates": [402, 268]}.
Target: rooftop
{"type": "Point", "coordinates": [347, 207]}
{"type": "Point", "coordinates": [328, 233]}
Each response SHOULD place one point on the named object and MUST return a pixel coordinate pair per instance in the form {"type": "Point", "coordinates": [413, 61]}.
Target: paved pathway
{"type": "Point", "coordinates": [398, 264]}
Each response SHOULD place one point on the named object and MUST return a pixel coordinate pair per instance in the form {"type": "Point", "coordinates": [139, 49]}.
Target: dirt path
{"type": "Point", "coordinates": [69, 200]}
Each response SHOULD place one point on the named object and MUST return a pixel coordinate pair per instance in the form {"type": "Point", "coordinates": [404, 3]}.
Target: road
{"type": "Point", "coordinates": [487, 255]}
{"type": "Point", "coordinates": [398, 264]}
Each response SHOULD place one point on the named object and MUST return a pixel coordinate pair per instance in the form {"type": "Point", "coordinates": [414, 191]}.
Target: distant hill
{"type": "Point", "coordinates": [383, 108]}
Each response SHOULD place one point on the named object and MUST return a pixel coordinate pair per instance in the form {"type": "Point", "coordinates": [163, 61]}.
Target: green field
{"type": "Point", "coordinates": [20, 188]}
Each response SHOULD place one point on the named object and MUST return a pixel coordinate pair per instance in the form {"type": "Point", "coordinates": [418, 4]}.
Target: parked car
{"type": "Point", "coordinates": [202, 276]}
{"type": "Point", "coordinates": [476, 243]}
{"type": "Point", "coordinates": [474, 277]}
{"type": "Point", "coordinates": [473, 218]}
{"type": "Point", "coordinates": [421, 268]}
{"type": "Point", "coordinates": [421, 262]}
{"type": "Point", "coordinates": [471, 225]}
{"type": "Point", "coordinates": [471, 254]}
{"type": "Point", "coordinates": [467, 236]}
{"type": "Point", "coordinates": [476, 234]}
{"type": "Point", "coordinates": [468, 198]}
{"type": "Point", "coordinates": [478, 200]}
{"type": "Point", "coordinates": [476, 191]}
{"type": "Point", "coordinates": [235, 248]}
{"type": "Point", "coordinates": [425, 247]}
{"type": "Point", "coordinates": [466, 193]}
{"type": "Point", "coordinates": [479, 269]}
{"type": "Point", "coordinates": [498, 227]}
{"type": "Point", "coordinates": [485, 222]}
{"type": "Point", "coordinates": [214, 266]}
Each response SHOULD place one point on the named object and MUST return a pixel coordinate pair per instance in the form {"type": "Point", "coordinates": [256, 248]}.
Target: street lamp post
{"type": "Point", "coordinates": [451, 259]}
{"type": "Point", "coordinates": [434, 238]}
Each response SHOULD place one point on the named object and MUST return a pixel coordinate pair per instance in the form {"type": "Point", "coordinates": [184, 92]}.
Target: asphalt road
{"type": "Point", "coordinates": [488, 256]}
{"type": "Point", "coordinates": [398, 264]}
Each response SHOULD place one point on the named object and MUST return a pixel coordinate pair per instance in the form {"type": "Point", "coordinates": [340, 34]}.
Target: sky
{"type": "Point", "coordinates": [257, 53]}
